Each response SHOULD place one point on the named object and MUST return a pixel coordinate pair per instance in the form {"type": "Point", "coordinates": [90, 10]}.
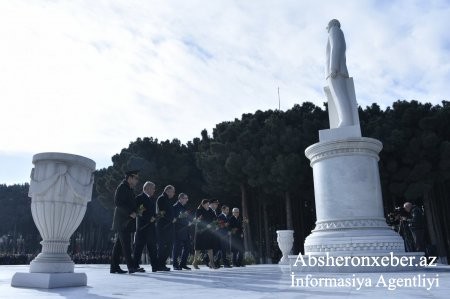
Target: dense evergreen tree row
{"type": "Point", "coordinates": [257, 163]}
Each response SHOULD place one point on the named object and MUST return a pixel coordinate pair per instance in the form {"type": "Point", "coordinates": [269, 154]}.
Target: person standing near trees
{"type": "Point", "coordinates": [145, 226]}
{"type": "Point", "coordinates": [164, 225]}
{"type": "Point", "coordinates": [124, 222]}
{"type": "Point", "coordinates": [213, 205]}
{"type": "Point", "coordinates": [417, 225]}
{"type": "Point", "coordinates": [223, 236]}
{"type": "Point", "coordinates": [182, 239]}
{"type": "Point", "coordinates": [203, 234]}
{"type": "Point", "coordinates": [237, 238]}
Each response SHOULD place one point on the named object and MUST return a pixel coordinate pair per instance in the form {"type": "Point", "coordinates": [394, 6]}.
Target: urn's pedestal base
{"type": "Point", "coordinates": [284, 261]}
{"type": "Point", "coordinates": [49, 280]}
{"type": "Point", "coordinates": [48, 262]}
{"type": "Point", "coordinates": [364, 262]}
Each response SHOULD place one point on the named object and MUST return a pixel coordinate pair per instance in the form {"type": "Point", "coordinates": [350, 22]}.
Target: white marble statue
{"type": "Point", "coordinates": [339, 100]}
{"type": "Point", "coordinates": [347, 189]}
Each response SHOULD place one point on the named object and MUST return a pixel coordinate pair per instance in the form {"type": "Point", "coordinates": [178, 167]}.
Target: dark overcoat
{"type": "Point", "coordinates": [203, 234]}
{"type": "Point", "coordinates": [181, 226]}
{"type": "Point", "coordinates": [125, 205]}
{"type": "Point", "coordinates": [149, 205]}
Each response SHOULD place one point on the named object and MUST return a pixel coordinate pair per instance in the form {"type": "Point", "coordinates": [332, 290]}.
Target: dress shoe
{"type": "Point", "coordinates": [133, 270]}
{"type": "Point", "coordinates": [117, 270]}
{"type": "Point", "coordinates": [163, 268]}
{"type": "Point", "coordinates": [177, 268]}
{"type": "Point", "coordinates": [195, 266]}
{"type": "Point", "coordinates": [142, 270]}
{"type": "Point", "coordinates": [185, 268]}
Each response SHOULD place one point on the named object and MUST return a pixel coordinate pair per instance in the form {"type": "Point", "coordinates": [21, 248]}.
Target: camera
{"type": "Point", "coordinates": [396, 216]}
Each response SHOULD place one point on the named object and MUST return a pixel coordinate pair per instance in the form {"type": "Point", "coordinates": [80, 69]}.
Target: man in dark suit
{"type": "Point", "coordinates": [164, 226]}
{"type": "Point", "coordinates": [213, 204]}
{"type": "Point", "coordinates": [182, 239]}
{"type": "Point", "coordinates": [416, 224]}
{"type": "Point", "coordinates": [124, 222]}
{"type": "Point", "coordinates": [223, 224]}
{"type": "Point", "coordinates": [237, 238]}
{"type": "Point", "coordinates": [145, 226]}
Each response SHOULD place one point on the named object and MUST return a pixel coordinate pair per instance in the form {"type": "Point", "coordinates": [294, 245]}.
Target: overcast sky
{"type": "Point", "coordinates": [89, 77]}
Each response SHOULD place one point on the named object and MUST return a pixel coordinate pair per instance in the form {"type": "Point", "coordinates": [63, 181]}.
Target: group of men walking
{"type": "Point", "coordinates": [164, 228]}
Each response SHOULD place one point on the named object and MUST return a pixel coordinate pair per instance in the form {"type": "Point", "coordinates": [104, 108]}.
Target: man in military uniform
{"type": "Point", "coordinates": [237, 238]}
{"type": "Point", "coordinates": [124, 222]}
{"type": "Point", "coordinates": [181, 245]}
{"type": "Point", "coordinates": [145, 226]}
{"type": "Point", "coordinates": [164, 226]}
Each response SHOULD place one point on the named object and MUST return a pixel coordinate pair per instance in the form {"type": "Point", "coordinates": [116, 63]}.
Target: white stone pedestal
{"type": "Point", "coordinates": [49, 280]}
{"type": "Point", "coordinates": [60, 188]}
{"type": "Point", "coordinates": [349, 207]}
{"type": "Point", "coordinates": [348, 199]}
{"type": "Point", "coordinates": [285, 241]}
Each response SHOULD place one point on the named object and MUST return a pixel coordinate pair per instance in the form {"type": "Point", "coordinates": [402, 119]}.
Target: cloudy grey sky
{"type": "Point", "coordinates": [89, 77]}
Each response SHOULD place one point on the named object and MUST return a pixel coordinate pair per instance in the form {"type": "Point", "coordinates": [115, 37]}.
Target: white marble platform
{"type": "Point", "coordinates": [48, 280]}
{"type": "Point", "coordinates": [259, 281]}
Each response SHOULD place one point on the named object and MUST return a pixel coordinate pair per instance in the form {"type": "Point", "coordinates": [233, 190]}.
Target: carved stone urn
{"type": "Point", "coordinates": [285, 241]}
{"type": "Point", "coordinates": [60, 188]}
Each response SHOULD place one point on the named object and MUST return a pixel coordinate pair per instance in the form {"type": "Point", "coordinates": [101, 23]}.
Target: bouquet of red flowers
{"type": "Point", "coordinates": [222, 223]}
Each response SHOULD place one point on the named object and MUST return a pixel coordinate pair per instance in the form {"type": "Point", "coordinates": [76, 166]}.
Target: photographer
{"type": "Point", "coordinates": [416, 223]}
{"type": "Point", "coordinates": [399, 221]}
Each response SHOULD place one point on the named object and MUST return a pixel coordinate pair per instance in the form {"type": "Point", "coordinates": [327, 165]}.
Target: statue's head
{"type": "Point", "coordinates": [333, 23]}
